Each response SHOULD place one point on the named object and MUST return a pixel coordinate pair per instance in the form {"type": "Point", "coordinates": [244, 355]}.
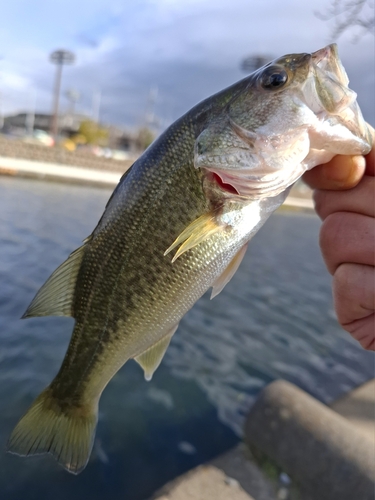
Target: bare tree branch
{"type": "Point", "coordinates": [349, 14]}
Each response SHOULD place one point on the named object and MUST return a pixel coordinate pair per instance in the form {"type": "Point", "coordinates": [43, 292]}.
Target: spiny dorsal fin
{"type": "Point", "coordinates": [229, 272]}
{"type": "Point", "coordinates": [196, 232]}
{"type": "Point", "coordinates": [151, 358]}
{"type": "Point", "coordinates": [55, 297]}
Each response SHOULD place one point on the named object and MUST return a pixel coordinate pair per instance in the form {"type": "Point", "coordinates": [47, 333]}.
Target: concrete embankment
{"type": "Point", "coordinates": [57, 172]}
{"type": "Point", "coordinates": [327, 453]}
{"type": "Point", "coordinates": [81, 158]}
{"type": "Point", "coordinates": [68, 173]}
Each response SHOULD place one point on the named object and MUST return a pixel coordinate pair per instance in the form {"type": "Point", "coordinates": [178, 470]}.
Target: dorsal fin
{"type": "Point", "coordinates": [55, 297]}
{"type": "Point", "coordinates": [229, 272]}
{"type": "Point", "coordinates": [151, 358]}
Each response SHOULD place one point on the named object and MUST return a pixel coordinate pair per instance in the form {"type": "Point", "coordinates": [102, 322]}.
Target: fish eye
{"type": "Point", "coordinates": [273, 78]}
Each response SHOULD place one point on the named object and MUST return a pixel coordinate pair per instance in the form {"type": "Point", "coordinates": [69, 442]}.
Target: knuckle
{"type": "Point", "coordinates": [330, 237]}
{"type": "Point", "coordinates": [341, 280]}
{"type": "Point", "coordinates": [318, 198]}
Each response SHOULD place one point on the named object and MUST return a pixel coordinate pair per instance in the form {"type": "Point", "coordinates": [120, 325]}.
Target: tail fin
{"type": "Point", "coordinates": [48, 427]}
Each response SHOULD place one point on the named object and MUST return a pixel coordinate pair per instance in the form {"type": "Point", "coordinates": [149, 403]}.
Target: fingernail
{"type": "Point", "coordinates": [349, 172]}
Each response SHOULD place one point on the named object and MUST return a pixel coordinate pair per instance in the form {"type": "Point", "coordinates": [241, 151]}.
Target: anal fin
{"type": "Point", "coordinates": [196, 232]}
{"type": "Point", "coordinates": [150, 359]}
{"type": "Point", "coordinates": [229, 272]}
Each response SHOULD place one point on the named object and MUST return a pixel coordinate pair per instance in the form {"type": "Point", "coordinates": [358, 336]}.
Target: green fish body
{"type": "Point", "coordinates": [177, 224]}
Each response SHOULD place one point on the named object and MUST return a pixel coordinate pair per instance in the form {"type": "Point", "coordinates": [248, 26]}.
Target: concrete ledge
{"type": "Point", "coordinates": [68, 173]}
{"type": "Point", "coordinates": [53, 171]}
{"type": "Point", "coordinates": [203, 483]}
{"type": "Point", "coordinates": [231, 476]}
{"type": "Point", "coordinates": [358, 406]}
{"type": "Point", "coordinates": [293, 201]}
{"type": "Point", "coordinates": [19, 149]}
{"type": "Point", "coordinates": [239, 465]}
{"type": "Point", "coordinates": [322, 451]}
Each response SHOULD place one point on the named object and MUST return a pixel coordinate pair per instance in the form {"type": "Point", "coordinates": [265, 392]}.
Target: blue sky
{"type": "Point", "coordinates": [187, 49]}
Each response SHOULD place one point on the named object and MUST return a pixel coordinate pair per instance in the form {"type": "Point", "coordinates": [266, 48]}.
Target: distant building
{"type": "Point", "coordinates": [125, 140]}
{"type": "Point", "coordinates": [68, 125]}
{"type": "Point", "coordinates": [18, 124]}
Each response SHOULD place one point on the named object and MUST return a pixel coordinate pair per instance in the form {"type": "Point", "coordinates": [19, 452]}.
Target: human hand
{"type": "Point", "coordinates": [345, 200]}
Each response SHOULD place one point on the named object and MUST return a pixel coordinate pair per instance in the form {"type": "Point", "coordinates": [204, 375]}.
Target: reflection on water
{"type": "Point", "coordinates": [274, 319]}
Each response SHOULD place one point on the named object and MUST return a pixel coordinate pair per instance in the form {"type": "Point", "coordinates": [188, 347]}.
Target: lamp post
{"type": "Point", "coordinates": [58, 57]}
{"type": "Point", "coordinates": [96, 101]}
{"type": "Point", "coordinates": [73, 97]}
{"type": "Point", "coordinates": [1, 114]}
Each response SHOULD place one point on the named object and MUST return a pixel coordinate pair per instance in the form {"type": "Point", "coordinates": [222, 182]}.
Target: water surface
{"type": "Point", "coordinates": [274, 319]}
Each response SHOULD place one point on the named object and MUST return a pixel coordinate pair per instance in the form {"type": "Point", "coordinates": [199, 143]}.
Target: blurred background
{"type": "Point", "coordinates": [102, 79]}
{"type": "Point", "coordinates": [141, 64]}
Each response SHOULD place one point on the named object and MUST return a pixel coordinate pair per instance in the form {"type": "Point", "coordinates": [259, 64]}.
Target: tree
{"type": "Point", "coordinates": [349, 14]}
{"type": "Point", "coordinates": [252, 63]}
{"type": "Point", "coordinates": [144, 138]}
{"type": "Point", "coordinates": [92, 133]}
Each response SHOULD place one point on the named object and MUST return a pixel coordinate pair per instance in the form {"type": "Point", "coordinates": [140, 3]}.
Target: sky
{"type": "Point", "coordinates": [161, 56]}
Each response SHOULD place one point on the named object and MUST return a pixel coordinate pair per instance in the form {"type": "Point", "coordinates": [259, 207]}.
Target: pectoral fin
{"type": "Point", "coordinates": [229, 272]}
{"type": "Point", "coordinates": [195, 233]}
{"type": "Point", "coordinates": [151, 358]}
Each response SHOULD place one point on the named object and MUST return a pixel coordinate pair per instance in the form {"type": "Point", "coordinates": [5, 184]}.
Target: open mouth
{"type": "Point", "coordinates": [324, 54]}
{"type": "Point", "coordinates": [331, 80]}
{"type": "Point", "coordinates": [263, 164]}
{"type": "Point", "coordinates": [327, 60]}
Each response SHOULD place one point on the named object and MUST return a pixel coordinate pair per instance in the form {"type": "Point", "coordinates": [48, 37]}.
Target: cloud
{"type": "Point", "coordinates": [187, 49]}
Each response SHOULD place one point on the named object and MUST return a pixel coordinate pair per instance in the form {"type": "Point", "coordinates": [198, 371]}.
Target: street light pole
{"type": "Point", "coordinates": [59, 57]}
{"type": "Point", "coordinates": [30, 117]}
{"type": "Point", "coordinates": [96, 101]}
{"type": "Point", "coordinates": [1, 114]}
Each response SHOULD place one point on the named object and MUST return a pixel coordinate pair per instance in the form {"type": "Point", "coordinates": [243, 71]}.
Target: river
{"type": "Point", "coordinates": [274, 319]}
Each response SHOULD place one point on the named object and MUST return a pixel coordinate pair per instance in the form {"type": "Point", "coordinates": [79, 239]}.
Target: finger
{"type": "Point", "coordinates": [360, 200]}
{"type": "Point", "coordinates": [342, 172]}
{"type": "Point", "coordinates": [363, 331]}
{"type": "Point", "coordinates": [370, 158]}
{"type": "Point", "coordinates": [354, 299]}
{"type": "Point", "coordinates": [347, 237]}
{"type": "Point", "coordinates": [370, 163]}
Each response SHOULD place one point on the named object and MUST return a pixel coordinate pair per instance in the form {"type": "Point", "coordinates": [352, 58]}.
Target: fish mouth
{"type": "Point", "coordinates": [260, 164]}
{"type": "Point", "coordinates": [327, 59]}
{"type": "Point", "coordinates": [339, 102]}
{"type": "Point", "coordinates": [328, 53]}
{"type": "Point", "coordinates": [330, 81]}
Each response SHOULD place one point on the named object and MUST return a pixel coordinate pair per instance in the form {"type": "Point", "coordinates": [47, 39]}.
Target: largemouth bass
{"type": "Point", "coordinates": [177, 224]}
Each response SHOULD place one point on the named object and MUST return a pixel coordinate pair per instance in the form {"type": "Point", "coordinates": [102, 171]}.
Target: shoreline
{"type": "Point", "coordinates": [240, 474]}
{"type": "Point", "coordinates": [272, 463]}
{"type": "Point", "coordinates": [18, 167]}
{"type": "Point", "coordinates": [30, 169]}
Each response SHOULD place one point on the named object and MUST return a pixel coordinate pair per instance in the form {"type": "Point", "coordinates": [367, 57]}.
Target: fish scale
{"type": "Point", "coordinates": [177, 224]}
{"type": "Point", "coordinates": [117, 291]}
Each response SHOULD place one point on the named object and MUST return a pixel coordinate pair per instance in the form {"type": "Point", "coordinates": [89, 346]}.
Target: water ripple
{"type": "Point", "coordinates": [275, 319]}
